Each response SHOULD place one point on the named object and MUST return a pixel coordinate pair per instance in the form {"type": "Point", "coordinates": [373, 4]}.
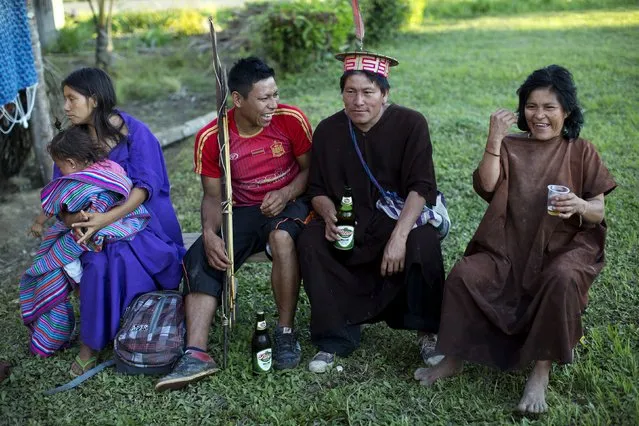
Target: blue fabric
{"type": "Point", "coordinates": [17, 68]}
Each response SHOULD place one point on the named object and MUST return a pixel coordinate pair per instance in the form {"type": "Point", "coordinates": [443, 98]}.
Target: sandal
{"type": "Point", "coordinates": [80, 367]}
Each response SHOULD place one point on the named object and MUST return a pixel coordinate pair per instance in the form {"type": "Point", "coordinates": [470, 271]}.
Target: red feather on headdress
{"type": "Point", "coordinates": [359, 23]}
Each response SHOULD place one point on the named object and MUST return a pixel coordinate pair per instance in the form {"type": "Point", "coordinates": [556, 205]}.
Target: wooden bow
{"type": "Point", "coordinates": [229, 283]}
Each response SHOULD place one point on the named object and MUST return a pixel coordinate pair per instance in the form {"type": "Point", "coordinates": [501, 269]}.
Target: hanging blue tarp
{"type": "Point", "coordinates": [17, 69]}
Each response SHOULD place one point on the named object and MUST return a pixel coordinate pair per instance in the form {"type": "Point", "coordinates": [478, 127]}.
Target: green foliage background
{"type": "Point", "coordinates": [384, 18]}
{"type": "Point", "coordinates": [296, 34]}
{"type": "Point", "coordinates": [151, 28]}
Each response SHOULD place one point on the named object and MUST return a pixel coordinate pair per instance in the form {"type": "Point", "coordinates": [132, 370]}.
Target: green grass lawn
{"type": "Point", "coordinates": [456, 73]}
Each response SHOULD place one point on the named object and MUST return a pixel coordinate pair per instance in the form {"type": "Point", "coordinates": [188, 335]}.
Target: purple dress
{"type": "Point", "coordinates": [150, 261]}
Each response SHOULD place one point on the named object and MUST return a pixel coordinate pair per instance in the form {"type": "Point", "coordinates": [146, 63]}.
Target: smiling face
{"type": "Point", "coordinates": [363, 101]}
{"type": "Point", "coordinates": [255, 111]}
{"type": "Point", "coordinates": [544, 114]}
{"type": "Point", "coordinates": [77, 107]}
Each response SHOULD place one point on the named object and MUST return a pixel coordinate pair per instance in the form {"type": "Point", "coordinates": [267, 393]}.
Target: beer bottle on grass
{"type": "Point", "coordinates": [261, 348]}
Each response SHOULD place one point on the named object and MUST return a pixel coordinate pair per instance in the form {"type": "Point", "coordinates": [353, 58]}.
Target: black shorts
{"type": "Point", "coordinates": [250, 235]}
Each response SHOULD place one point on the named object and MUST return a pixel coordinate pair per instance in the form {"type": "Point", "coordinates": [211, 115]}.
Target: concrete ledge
{"type": "Point", "coordinates": [183, 131]}
{"type": "Point", "coordinates": [190, 237]}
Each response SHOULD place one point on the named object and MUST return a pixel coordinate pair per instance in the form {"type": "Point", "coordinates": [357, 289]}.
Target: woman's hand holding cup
{"type": "Point", "coordinates": [564, 203]}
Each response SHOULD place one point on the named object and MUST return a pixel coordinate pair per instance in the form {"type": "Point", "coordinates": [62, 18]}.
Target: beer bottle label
{"type": "Point", "coordinates": [264, 359]}
{"type": "Point", "coordinates": [261, 325]}
{"type": "Point", "coordinates": [346, 239]}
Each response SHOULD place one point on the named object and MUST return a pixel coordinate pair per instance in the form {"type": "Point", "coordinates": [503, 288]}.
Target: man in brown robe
{"type": "Point", "coordinates": [517, 295]}
{"type": "Point", "coordinates": [395, 273]}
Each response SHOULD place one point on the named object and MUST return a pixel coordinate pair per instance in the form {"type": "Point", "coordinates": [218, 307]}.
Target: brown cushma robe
{"type": "Point", "coordinates": [518, 293]}
{"type": "Point", "coordinates": [399, 153]}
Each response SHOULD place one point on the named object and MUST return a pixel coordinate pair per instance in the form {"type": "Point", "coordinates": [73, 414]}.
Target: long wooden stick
{"type": "Point", "coordinates": [229, 287]}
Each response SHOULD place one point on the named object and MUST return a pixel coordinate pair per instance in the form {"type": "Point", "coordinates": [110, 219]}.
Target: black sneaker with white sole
{"type": "Point", "coordinates": [287, 352]}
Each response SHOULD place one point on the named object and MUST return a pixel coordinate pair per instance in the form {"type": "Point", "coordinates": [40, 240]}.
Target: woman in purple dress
{"type": "Point", "coordinates": [124, 269]}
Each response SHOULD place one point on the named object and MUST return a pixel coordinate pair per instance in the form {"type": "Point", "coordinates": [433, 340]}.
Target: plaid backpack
{"type": "Point", "coordinates": [151, 338]}
{"type": "Point", "coordinates": [152, 334]}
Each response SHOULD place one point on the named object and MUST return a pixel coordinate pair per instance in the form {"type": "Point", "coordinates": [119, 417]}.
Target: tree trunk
{"type": "Point", "coordinates": [40, 123]}
{"type": "Point", "coordinates": [104, 42]}
{"type": "Point", "coordinates": [102, 51]}
{"type": "Point", "coordinates": [50, 19]}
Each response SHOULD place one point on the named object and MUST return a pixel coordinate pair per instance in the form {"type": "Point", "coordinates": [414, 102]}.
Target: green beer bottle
{"type": "Point", "coordinates": [346, 225]}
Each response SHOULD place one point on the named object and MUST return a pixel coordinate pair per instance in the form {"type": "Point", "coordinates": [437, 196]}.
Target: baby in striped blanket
{"type": "Point", "coordinates": [73, 151]}
{"type": "Point", "coordinates": [89, 183]}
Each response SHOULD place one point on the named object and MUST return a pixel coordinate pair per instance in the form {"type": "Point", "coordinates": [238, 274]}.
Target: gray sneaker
{"type": "Point", "coordinates": [321, 362]}
{"type": "Point", "coordinates": [190, 368]}
{"type": "Point", "coordinates": [287, 352]}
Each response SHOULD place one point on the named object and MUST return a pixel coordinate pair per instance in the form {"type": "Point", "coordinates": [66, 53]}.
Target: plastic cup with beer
{"type": "Point", "coordinates": [553, 191]}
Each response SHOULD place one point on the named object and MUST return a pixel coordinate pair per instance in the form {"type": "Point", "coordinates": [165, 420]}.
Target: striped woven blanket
{"type": "Point", "coordinates": [44, 287]}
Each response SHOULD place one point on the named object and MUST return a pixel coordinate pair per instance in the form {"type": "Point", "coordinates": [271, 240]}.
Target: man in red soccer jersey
{"type": "Point", "coordinates": [270, 156]}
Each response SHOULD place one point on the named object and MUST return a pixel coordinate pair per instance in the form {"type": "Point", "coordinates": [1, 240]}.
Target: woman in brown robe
{"type": "Point", "coordinates": [517, 295]}
{"type": "Point", "coordinates": [395, 273]}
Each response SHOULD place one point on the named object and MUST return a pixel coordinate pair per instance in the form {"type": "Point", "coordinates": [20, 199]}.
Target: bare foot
{"type": "Point", "coordinates": [448, 367]}
{"type": "Point", "coordinates": [534, 399]}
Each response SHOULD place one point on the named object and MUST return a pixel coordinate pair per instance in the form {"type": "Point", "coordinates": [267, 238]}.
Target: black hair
{"type": "Point", "coordinates": [246, 72]}
{"type": "Point", "coordinates": [96, 83]}
{"type": "Point", "coordinates": [379, 80]}
{"type": "Point", "coordinates": [558, 80]}
{"type": "Point", "coordinates": [77, 144]}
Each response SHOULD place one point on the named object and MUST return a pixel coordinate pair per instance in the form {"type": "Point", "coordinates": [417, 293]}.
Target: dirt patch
{"type": "Point", "coordinates": [17, 210]}
{"type": "Point", "coordinates": [173, 111]}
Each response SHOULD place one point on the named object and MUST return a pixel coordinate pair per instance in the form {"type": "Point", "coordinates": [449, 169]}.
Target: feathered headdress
{"type": "Point", "coordinates": [359, 24]}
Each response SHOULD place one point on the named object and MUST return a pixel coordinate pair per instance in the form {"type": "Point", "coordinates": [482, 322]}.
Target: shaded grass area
{"type": "Point", "coordinates": [457, 74]}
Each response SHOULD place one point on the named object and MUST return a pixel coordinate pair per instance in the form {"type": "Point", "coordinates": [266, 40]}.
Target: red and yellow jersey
{"type": "Point", "coordinates": [260, 163]}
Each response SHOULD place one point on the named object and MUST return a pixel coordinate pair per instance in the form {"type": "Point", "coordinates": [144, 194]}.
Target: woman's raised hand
{"type": "Point", "coordinates": [489, 168]}
{"type": "Point", "coordinates": [500, 123]}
